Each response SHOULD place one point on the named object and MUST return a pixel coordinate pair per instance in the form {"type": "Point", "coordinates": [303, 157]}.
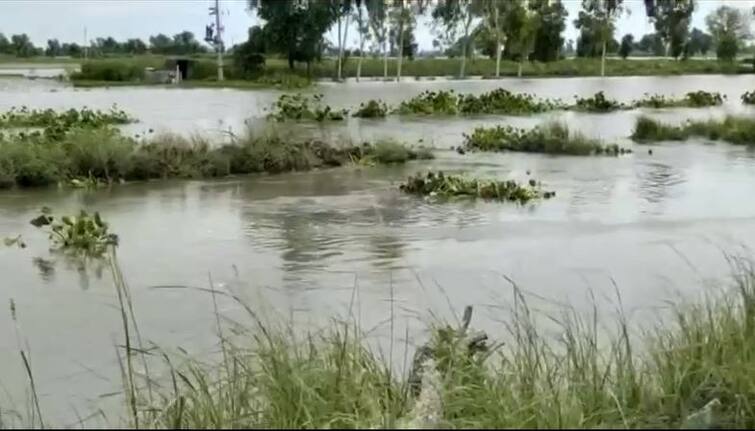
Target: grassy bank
{"type": "Point", "coordinates": [102, 155]}
{"type": "Point", "coordinates": [551, 138]}
{"type": "Point", "coordinates": [693, 370]}
{"type": "Point", "coordinates": [735, 130]}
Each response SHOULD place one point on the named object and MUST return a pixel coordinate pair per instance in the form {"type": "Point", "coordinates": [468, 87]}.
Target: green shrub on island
{"type": "Point", "coordinates": [748, 98]}
{"type": "Point", "coordinates": [428, 102]}
{"type": "Point", "coordinates": [300, 107]}
{"type": "Point", "coordinates": [597, 103]}
{"type": "Point", "coordinates": [735, 130]}
{"type": "Point", "coordinates": [551, 138]}
{"type": "Point", "coordinates": [371, 109]}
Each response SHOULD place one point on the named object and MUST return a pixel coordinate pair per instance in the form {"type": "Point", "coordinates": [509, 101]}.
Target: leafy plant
{"type": "Point", "coordinates": [300, 107]}
{"type": "Point", "coordinates": [431, 102]}
{"type": "Point", "coordinates": [85, 235]}
{"type": "Point", "coordinates": [748, 98]}
{"type": "Point", "coordinates": [502, 101]}
{"type": "Point", "coordinates": [597, 103]}
{"type": "Point", "coordinates": [552, 138]}
{"type": "Point", "coordinates": [447, 186]}
{"type": "Point", "coordinates": [372, 109]}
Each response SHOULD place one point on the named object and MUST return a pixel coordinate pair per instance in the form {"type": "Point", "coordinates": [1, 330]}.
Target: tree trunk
{"type": "Point", "coordinates": [497, 45]}
{"type": "Point", "coordinates": [603, 60]}
{"type": "Point", "coordinates": [400, 46]}
{"type": "Point", "coordinates": [359, 64]}
{"type": "Point", "coordinates": [340, 51]}
{"type": "Point", "coordinates": [385, 59]}
{"type": "Point", "coordinates": [519, 68]}
{"type": "Point", "coordinates": [291, 60]}
{"type": "Point", "coordinates": [464, 48]}
{"type": "Point", "coordinates": [343, 45]}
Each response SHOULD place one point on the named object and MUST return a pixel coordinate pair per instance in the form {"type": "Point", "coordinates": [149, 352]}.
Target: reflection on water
{"type": "Point", "coordinates": [303, 244]}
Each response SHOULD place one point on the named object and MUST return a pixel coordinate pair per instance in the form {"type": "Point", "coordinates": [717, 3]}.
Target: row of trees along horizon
{"type": "Point", "coordinates": [501, 29]}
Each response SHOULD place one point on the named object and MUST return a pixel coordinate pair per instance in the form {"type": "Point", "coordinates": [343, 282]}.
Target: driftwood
{"type": "Point", "coordinates": [474, 342]}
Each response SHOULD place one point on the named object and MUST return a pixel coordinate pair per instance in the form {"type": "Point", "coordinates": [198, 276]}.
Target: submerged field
{"type": "Point", "coordinates": [344, 255]}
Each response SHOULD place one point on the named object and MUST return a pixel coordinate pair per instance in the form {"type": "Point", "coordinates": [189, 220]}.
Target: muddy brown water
{"type": "Point", "coordinates": [304, 247]}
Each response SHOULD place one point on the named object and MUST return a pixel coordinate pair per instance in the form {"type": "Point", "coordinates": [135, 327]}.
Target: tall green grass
{"type": "Point", "coordinates": [735, 130]}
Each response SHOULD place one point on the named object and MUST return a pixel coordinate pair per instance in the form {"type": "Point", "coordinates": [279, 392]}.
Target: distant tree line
{"type": "Point", "coordinates": [180, 44]}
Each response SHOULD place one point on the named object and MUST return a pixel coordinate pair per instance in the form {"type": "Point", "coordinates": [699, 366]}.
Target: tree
{"type": "Point", "coordinates": [160, 44]}
{"type": "Point", "coordinates": [672, 18]}
{"type": "Point", "coordinates": [651, 44]}
{"type": "Point", "coordinates": [402, 15]}
{"type": "Point", "coordinates": [362, 21]}
{"type": "Point", "coordinates": [53, 48]}
{"type": "Point", "coordinates": [248, 57]}
{"type": "Point", "coordinates": [378, 17]}
{"type": "Point", "coordinates": [22, 46]}
{"type": "Point", "coordinates": [729, 27]}
{"type": "Point", "coordinates": [596, 24]}
{"type": "Point", "coordinates": [551, 17]}
{"type": "Point", "coordinates": [455, 16]}
{"type": "Point", "coordinates": [494, 12]}
{"type": "Point", "coordinates": [72, 49]}
{"type": "Point", "coordinates": [699, 42]}
{"type": "Point", "coordinates": [185, 43]}
{"type": "Point", "coordinates": [627, 43]}
{"type": "Point", "coordinates": [134, 46]}
{"type": "Point", "coordinates": [5, 45]}
{"type": "Point", "coordinates": [295, 27]}
{"type": "Point", "coordinates": [341, 10]}
{"type": "Point", "coordinates": [521, 24]}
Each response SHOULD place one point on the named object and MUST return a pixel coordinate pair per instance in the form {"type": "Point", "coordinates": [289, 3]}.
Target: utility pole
{"type": "Point", "coordinates": [218, 38]}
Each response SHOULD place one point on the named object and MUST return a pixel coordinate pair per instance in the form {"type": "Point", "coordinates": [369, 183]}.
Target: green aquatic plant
{"type": "Point", "coordinates": [697, 99]}
{"type": "Point", "coordinates": [84, 117]}
{"type": "Point", "coordinates": [735, 130]}
{"type": "Point", "coordinates": [442, 102]}
{"type": "Point", "coordinates": [748, 98]}
{"type": "Point", "coordinates": [301, 107]}
{"type": "Point", "coordinates": [86, 235]}
{"type": "Point", "coordinates": [693, 99]}
{"type": "Point", "coordinates": [502, 101]}
{"type": "Point", "coordinates": [372, 109]}
{"type": "Point", "coordinates": [447, 186]}
{"type": "Point", "coordinates": [551, 138]}
{"type": "Point", "coordinates": [386, 152]}
{"type": "Point", "coordinates": [597, 103]}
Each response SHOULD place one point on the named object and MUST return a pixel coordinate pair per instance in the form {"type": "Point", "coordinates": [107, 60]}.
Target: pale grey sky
{"type": "Point", "coordinates": [122, 19]}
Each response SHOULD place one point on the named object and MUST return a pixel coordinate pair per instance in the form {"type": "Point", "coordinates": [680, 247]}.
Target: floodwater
{"type": "Point", "coordinates": [304, 247]}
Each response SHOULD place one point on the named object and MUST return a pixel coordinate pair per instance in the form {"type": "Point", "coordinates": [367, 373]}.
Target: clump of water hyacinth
{"type": "Point", "coordinates": [301, 107]}
{"type": "Point", "coordinates": [448, 186]}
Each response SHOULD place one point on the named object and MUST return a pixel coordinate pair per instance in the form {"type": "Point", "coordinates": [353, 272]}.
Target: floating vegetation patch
{"type": "Point", "coordinates": [551, 138]}
{"type": "Point", "coordinates": [24, 117]}
{"type": "Point", "coordinates": [372, 109]}
{"type": "Point", "coordinates": [597, 103]}
{"type": "Point", "coordinates": [748, 98]}
{"type": "Point", "coordinates": [84, 234]}
{"type": "Point", "coordinates": [388, 152]}
{"type": "Point", "coordinates": [735, 130]}
{"type": "Point", "coordinates": [502, 101]}
{"type": "Point", "coordinates": [428, 102]}
{"type": "Point", "coordinates": [693, 99]}
{"type": "Point", "coordinates": [449, 186]}
{"type": "Point", "coordinates": [301, 107]}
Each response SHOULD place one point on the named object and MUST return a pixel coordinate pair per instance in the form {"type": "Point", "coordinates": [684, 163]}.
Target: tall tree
{"type": "Point", "coordinates": [596, 22]}
{"type": "Point", "coordinates": [729, 28]}
{"type": "Point", "coordinates": [22, 45]}
{"type": "Point", "coordinates": [551, 16]}
{"type": "Point", "coordinates": [699, 42]}
{"type": "Point", "coordinates": [455, 16]}
{"type": "Point", "coordinates": [342, 12]}
{"type": "Point", "coordinates": [295, 27]}
{"type": "Point", "coordinates": [651, 44]}
{"type": "Point", "coordinates": [672, 19]}
{"type": "Point", "coordinates": [627, 43]}
{"type": "Point", "coordinates": [521, 24]}
{"type": "Point", "coordinates": [378, 18]}
{"type": "Point", "coordinates": [160, 44]}
{"type": "Point", "coordinates": [53, 48]}
{"type": "Point", "coordinates": [363, 28]}
{"type": "Point", "coordinates": [135, 46]}
{"type": "Point", "coordinates": [403, 14]}
{"type": "Point", "coordinates": [5, 45]}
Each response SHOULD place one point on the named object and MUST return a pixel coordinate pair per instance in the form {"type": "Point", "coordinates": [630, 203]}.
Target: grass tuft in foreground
{"type": "Point", "coordinates": [735, 130]}
{"type": "Point", "coordinates": [449, 186]}
{"type": "Point", "coordinates": [551, 138]}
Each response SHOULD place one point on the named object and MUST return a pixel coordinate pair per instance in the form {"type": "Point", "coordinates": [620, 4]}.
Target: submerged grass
{"type": "Point", "coordinates": [551, 138]}
{"type": "Point", "coordinates": [84, 156]}
{"type": "Point", "coordinates": [735, 130]}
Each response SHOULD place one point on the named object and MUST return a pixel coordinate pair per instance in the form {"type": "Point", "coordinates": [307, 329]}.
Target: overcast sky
{"type": "Point", "coordinates": [66, 19]}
